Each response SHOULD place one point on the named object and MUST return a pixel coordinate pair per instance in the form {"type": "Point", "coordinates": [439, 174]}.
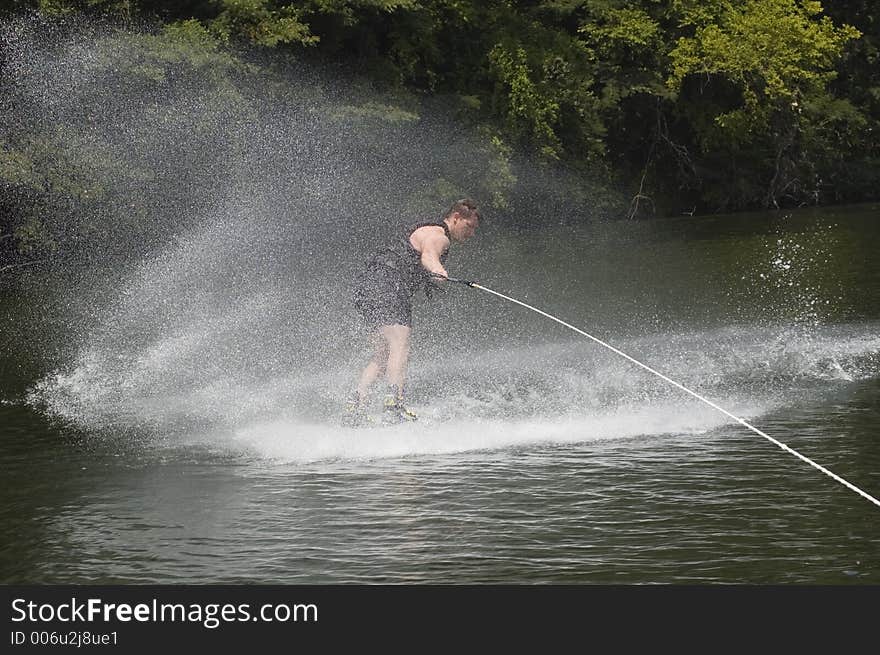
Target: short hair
{"type": "Point", "coordinates": [465, 207]}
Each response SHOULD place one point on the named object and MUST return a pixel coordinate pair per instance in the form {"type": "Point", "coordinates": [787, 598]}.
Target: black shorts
{"type": "Point", "coordinates": [381, 298]}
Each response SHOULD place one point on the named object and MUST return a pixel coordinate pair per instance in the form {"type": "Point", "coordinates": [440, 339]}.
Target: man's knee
{"type": "Point", "coordinates": [396, 335]}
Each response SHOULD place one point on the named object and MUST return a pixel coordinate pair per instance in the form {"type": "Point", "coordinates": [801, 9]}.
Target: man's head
{"type": "Point", "coordinates": [463, 218]}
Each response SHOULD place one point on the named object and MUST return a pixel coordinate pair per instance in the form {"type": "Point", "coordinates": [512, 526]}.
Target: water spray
{"type": "Point", "coordinates": [739, 420]}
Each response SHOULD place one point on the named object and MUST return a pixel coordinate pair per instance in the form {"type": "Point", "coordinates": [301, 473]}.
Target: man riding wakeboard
{"type": "Point", "coordinates": [383, 297]}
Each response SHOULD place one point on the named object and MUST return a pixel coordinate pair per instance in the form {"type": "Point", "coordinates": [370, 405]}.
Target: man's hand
{"type": "Point", "coordinates": [435, 285]}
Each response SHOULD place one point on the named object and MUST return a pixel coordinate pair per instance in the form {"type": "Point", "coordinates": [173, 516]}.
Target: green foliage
{"type": "Point", "coordinates": [377, 111]}
{"type": "Point", "coordinates": [529, 111]}
{"type": "Point", "coordinates": [56, 7]}
{"type": "Point", "coordinates": [49, 163]}
{"type": "Point", "coordinates": [757, 65]}
{"type": "Point", "coordinates": [262, 23]}
{"type": "Point", "coordinates": [125, 9]}
{"type": "Point", "coordinates": [490, 178]}
{"type": "Point", "coordinates": [616, 28]}
{"type": "Point", "coordinates": [33, 237]}
{"type": "Point", "coordinates": [60, 181]}
{"type": "Point", "coordinates": [771, 49]}
{"type": "Point", "coordinates": [499, 179]}
{"type": "Point", "coordinates": [707, 104]}
{"type": "Point", "coordinates": [46, 172]}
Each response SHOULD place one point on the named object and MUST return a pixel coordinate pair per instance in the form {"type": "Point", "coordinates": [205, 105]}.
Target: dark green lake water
{"type": "Point", "coordinates": [159, 426]}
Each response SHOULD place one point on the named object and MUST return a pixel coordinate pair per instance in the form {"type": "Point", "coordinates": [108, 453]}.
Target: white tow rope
{"type": "Point", "coordinates": [751, 427]}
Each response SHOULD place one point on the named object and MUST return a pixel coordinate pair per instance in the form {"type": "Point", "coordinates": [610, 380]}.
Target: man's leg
{"type": "Point", "coordinates": [375, 367]}
{"type": "Point", "coordinates": [356, 414]}
{"type": "Point", "coordinates": [397, 338]}
{"type": "Point", "coordinates": [397, 342]}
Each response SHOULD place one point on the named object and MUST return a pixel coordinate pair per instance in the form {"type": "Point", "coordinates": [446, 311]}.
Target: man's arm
{"type": "Point", "coordinates": [433, 245]}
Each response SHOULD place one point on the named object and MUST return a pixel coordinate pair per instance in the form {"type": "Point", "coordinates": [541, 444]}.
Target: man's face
{"type": "Point", "coordinates": [463, 228]}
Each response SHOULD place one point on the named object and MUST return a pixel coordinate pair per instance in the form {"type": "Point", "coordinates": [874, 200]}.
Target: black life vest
{"type": "Point", "coordinates": [406, 261]}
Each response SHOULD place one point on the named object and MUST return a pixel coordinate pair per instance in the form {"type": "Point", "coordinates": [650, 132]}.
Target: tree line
{"type": "Point", "coordinates": [694, 106]}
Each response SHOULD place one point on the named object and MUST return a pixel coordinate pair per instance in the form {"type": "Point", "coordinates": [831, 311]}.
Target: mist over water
{"type": "Point", "coordinates": [243, 206]}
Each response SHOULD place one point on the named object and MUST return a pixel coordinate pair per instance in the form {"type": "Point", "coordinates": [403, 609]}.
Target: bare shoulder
{"type": "Point", "coordinates": [430, 236]}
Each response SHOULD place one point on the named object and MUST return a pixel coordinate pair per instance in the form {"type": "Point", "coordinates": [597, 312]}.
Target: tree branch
{"type": "Point", "coordinates": [11, 266]}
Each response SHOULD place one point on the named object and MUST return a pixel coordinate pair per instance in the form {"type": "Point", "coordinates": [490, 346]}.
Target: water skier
{"type": "Point", "coordinates": [383, 296]}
